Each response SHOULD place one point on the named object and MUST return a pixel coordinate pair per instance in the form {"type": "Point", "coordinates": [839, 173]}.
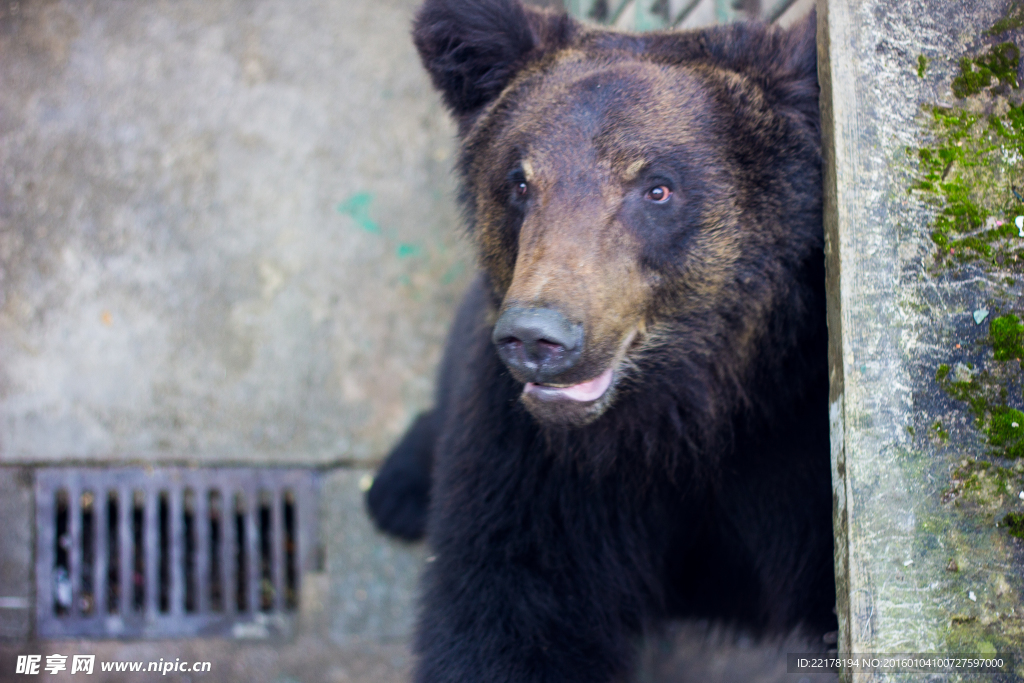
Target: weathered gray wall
{"type": "Point", "coordinates": [227, 231]}
{"type": "Point", "coordinates": [922, 562]}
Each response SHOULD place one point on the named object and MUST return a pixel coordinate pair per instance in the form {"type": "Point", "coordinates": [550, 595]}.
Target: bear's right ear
{"type": "Point", "coordinates": [472, 48]}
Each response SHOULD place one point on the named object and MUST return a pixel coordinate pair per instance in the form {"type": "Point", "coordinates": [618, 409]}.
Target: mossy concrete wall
{"type": "Point", "coordinates": [925, 263]}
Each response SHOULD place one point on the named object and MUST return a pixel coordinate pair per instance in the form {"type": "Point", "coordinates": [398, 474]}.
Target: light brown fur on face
{"type": "Point", "coordinates": [582, 133]}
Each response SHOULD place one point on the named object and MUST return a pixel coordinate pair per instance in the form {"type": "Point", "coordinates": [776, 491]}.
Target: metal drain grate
{"type": "Point", "coordinates": [171, 552]}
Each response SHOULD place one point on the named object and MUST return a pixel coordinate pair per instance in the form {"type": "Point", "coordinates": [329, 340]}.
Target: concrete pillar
{"type": "Point", "coordinates": [925, 285]}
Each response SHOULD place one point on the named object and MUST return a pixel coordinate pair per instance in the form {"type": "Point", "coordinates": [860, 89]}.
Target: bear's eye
{"type": "Point", "coordinates": [518, 188]}
{"type": "Point", "coordinates": [659, 194]}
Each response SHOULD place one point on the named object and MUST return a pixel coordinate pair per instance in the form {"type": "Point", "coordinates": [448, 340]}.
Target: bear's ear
{"type": "Point", "coordinates": [472, 48]}
{"type": "Point", "coordinates": [798, 83]}
{"type": "Point", "coordinates": [801, 48]}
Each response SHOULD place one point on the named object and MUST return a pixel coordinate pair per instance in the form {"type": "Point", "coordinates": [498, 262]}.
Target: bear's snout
{"type": "Point", "coordinates": [537, 344]}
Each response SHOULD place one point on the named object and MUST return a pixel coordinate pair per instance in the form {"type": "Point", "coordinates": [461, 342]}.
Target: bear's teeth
{"type": "Point", "coordinates": [591, 390]}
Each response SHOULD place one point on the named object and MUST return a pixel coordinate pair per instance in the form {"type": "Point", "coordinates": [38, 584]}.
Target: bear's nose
{"type": "Point", "coordinates": [537, 344]}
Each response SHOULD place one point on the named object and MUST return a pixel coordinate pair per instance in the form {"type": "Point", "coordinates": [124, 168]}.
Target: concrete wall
{"type": "Point", "coordinates": [228, 235]}
{"type": "Point", "coordinates": [227, 231]}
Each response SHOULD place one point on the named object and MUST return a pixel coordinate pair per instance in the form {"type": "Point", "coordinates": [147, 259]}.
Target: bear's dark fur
{"type": "Point", "coordinates": [631, 420]}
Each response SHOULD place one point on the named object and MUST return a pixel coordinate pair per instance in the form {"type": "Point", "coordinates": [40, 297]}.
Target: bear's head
{"type": "Point", "coordinates": [643, 204]}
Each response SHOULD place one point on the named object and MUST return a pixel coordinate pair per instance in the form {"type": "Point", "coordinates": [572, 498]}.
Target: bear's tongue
{"type": "Point", "coordinates": [591, 390]}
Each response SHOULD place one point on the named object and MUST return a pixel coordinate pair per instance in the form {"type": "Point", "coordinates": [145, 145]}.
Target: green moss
{"type": "Point", "coordinates": [1006, 430]}
{"type": "Point", "coordinates": [992, 631]}
{"type": "Point", "coordinates": [985, 486]}
{"type": "Point", "coordinates": [975, 217]}
{"type": "Point", "coordinates": [987, 396]}
{"type": "Point", "coordinates": [922, 64]}
{"type": "Point", "coordinates": [1007, 334]}
{"type": "Point", "coordinates": [968, 174]}
{"type": "Point", "coordinates": [973, 390]}
{"type": "Point", "coordinates": [1014, 521]}
{"type": "Point", "coordinates": [982, 498]}
{"type": "Point", "coordinates": [976, 73]}
{"type": "Point", "coordinates": [1014, 19]}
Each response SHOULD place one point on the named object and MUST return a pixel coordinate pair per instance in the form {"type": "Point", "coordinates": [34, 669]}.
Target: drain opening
{"type": "Point", "coordinates": [266, 530]}
{"type": "Point", "coordinates": [164, 573]}
{"type": "Point", "coordinates": [138, 551]}
{"type": "Point", "coordinates": [241, 592]}
{"type": "Point", "coordinates": [88, 553]}
{"type": "Point", "coordinates": [189, 559]}
{"type": "Point", "coordinates": [170, 552]}
{"type": "Point", "coordinates": [291, 574]}
{"type": "Point", "coordinates": [113, 577]}
{"type": "Point", "coordinates": [216, 543]}
{"type": "Point", "coordinates": [62, 563]}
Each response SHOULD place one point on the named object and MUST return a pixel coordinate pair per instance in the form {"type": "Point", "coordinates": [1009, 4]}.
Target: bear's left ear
{"type": "Point", "coordinates": [472, 48]}
{"type": "Point", "coordinates": [797, 86]}
{"type": "Point", "coordinates": [801, 48]}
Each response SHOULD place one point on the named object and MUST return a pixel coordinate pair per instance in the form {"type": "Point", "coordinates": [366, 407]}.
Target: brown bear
{"type": "Point", "coordinates": [631, 420]}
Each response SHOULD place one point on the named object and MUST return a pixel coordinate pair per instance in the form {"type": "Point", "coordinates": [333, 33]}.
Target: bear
{"type": "Point", "coordinates": [631, 418]}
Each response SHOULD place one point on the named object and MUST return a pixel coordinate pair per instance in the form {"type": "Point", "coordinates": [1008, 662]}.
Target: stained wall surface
{"type": "Point", "coordinates": [227, 231]}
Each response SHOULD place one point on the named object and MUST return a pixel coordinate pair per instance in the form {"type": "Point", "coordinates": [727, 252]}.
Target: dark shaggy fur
{"type": "Point", "coordinates": [660, 195]}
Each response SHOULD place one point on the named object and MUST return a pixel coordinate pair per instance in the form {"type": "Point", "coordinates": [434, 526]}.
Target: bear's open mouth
{"type": "Point", "coordinates": [585, 392]}
{"type": "Point", "coordinates": [591, 390]}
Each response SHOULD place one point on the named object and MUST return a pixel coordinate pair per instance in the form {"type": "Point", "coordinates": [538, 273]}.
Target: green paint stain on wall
{"type": "Point", "coordinates": [358, 207]}
{"type": "Point", "coordinates": [405, 250]}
